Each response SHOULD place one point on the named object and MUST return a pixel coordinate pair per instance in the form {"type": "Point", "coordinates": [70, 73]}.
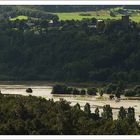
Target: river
{"type": "Point", "coordinates": [45, 91]}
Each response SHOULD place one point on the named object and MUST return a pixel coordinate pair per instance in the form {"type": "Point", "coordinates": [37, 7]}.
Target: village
{"type": "Point", "coordinates": [42, 26]}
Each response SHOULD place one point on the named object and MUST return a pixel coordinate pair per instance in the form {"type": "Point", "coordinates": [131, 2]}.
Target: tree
{"type": "Point", "coordinates": [76, 91]}
{"type": "Point", "coordinates": [112, 14]}
{"type": "Point", "coordinates": [87, 109]}
{"type": "Point", "coordinates": [83, 92]}
{"type": "Point", "coordinates": [121, 85]}
{"type": "Point", "coordinates": [69, 90]}
{"type": "Point", "coordinates": [97, 112]}
{"type": "Point", "coordinates": [60, 89]}
{"type": "Point", "coordinates": [101, 92]}
{"type": "Point", "coordinates": [110, 88]}
{"type": "Point", "coordinates": [131, 115]}
{"type": "Point", "coordinates": [91, 91]}
{"type": "Point", "coordinates": [21, 111]}
{"type": "Point", "coordinates": [77, 106]}
{"type": "Point", "coordinates": [94, 21]}
{"type": "Point", "coordinates": [107, 113]}
{"type": "Point", "coordinates": [122, 113]}
{"type": "Point", "coordinates": [118, 92]}
{"type": "Point", "coordinates": [130, 93]}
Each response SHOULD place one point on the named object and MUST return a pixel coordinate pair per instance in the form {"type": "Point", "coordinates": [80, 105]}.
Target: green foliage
{"type": "Point", "coordinates": [68, 51]}
{"type": "Point", "coordinates": [91, 91]}
{"type": "Point", "coordinates": [97, 112]}
{"type": "Point", "coordinates": [107, 113]}
{"type": "Point", "coordinates": [77, 106]}
{"type": "Point", "coordinates": [131, 115]}
{"type": "Point", "coordinates": [110, 88]}
{"type": "Point", "coordinates": [133, 92]}
{"type": "Point", "coordinates": [112, 14]}
{"type": "Point", "coordinates": [130, 93]}
{"type": "Point", "coordinates": [122, 114]}
{"type": "Point", "coordinates": [83, 92]}
{"type": "Point", "coordinates": [60, 89]}
{"type": "Point", "coordinates": [87, 109]}
{"type": "Point", "coordinates": [30, 115]}
{"type": "Point", "coordinates": [101, 91]}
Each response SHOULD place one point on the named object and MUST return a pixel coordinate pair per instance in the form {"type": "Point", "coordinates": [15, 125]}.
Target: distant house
{"type": "Point", "coordinates": [51, 23]}
{"type": "Point", "coordinates": [100, 22]}
{"type": "Point", "coordinates": [100, 25]}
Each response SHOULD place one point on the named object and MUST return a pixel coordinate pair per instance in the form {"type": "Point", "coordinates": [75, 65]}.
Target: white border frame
{"type": "Point", "coordinates": [69, 2]}
{"type": "Point", "coordinates": [70, 137]}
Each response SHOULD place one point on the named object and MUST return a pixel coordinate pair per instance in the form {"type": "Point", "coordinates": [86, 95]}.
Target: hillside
{"type": "Point", "coordinates": [37, 45]}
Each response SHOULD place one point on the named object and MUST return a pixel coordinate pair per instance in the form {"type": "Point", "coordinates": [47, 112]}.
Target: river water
{"type": "Point", "coordinates": [45, 91]}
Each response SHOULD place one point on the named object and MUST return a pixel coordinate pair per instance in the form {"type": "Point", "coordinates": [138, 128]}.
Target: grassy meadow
{"type": "Point", "coordinates": [103, 14]}
{"type": "Point", "coordinates": [19, 18]}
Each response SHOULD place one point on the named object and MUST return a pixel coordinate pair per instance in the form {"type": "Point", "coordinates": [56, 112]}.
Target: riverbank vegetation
{"type": "Point", "coordinates": [38, 116]}
{"type": "Point", "coordinates": [63, 89]}
{"type": "Point", "coordinates": [114, 90]}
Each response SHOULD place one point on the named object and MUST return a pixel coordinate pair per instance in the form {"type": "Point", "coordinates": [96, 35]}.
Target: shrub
{"type": "Point", "coordinates": [91, 91]}
{"type": "Point", "coordinates": [130, 93]}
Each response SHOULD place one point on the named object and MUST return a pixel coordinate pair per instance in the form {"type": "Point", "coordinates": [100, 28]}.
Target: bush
{"type": "Point", "coordinates": [130, 93]}
{"type": "Point", "coordinates": [76, 91]}
{"type": "Point", "coordinates": [59, 89]}
{"type": "Point", "coordinates": [110, 88]}
{"type": "Point", "coordinates": [83, 92]}
{"type": "Point", "coordinates": [91, 91]}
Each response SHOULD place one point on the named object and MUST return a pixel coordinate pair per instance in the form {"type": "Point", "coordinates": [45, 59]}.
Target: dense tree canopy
{"type": "Point", "coordinates": [69, 50]}
{"type": "Point", "coordinates": [38, 116]}
{"type": "Point", "coordinates": [74, 53]}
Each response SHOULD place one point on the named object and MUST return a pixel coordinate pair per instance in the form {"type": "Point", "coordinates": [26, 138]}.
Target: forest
{"type": "Point", "coordinates": [46, 48]}
{"type": "Point", "coordinates": [24, 115]}
{"type": "Point", "coordinates": [69, 51]}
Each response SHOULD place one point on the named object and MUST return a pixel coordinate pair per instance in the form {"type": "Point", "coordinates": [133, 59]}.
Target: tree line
{"type": "Point", "coordinates": [113, 89]}
{"type": "Point", "coordinates": [63, 89]}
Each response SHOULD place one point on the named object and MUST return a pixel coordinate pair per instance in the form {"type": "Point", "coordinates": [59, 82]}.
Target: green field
{"type": "Point", "coordinates": [103, 14]}
{"type": "Point", "coordinates": [19, 18]}
{"type": "Point", "coordinates": [77, 16]}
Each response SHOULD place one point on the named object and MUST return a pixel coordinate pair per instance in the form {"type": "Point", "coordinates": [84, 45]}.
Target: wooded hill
{"type": "Point", "coordinates": [70, 50]}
